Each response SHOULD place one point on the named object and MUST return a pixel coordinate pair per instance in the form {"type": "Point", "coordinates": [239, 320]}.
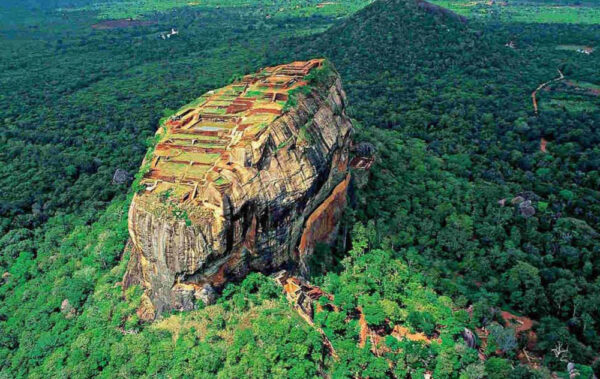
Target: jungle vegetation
{"type": "Point", "coordinates": [445, 220]}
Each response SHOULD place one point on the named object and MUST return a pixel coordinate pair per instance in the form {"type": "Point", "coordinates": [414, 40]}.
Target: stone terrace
{"type": "Point", "coordinates": [201, 134]}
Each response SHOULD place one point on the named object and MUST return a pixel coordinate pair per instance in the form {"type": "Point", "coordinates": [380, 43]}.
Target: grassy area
{"type": "Point", "coordinates": [278, 8]}
{"type": "Point", "coordinates": [585, 85]}
{"type": "Point", "coordinates": [525, 11]}
{"type": "Point", "coordinates": [127, 9]}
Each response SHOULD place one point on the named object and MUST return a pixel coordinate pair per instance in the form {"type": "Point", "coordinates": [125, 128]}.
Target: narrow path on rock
{"type": "Point", "coordinates": [534, 93]}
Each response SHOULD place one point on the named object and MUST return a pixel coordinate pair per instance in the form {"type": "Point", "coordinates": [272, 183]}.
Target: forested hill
{"type": "Point", "coordinates": [465, 186]}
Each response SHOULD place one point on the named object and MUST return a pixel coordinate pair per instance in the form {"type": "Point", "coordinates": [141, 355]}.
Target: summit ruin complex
{"type": "Point", "coordinates": [248, 177]}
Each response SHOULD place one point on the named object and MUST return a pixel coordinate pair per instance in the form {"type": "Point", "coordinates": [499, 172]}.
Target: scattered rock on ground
{"type": "Point", "coordinates": [525, 204]}
{"type": "Point", "coordinates": [526, 209]}
{"type": "Point", "coordinates": [364, 149]}
{"type": "Point", "coordinates": [206, 294]}
{"type": "Point", "coordinates": [469, 338]}
{"type": "Point", "coordinates": [67, 309]}
{"type": "Point", "coordinates": [146, 310]}
{"type": "Point", "coordinates": [517, 200]}
{"type": "Point", "coordinates": [121, 176]}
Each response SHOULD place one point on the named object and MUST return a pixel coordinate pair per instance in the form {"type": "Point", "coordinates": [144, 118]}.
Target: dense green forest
{"type": "Point", "coordinates": [475, 203]}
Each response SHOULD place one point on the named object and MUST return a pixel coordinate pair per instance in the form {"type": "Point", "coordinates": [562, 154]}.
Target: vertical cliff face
{"type": "Point", "coordinates": [246, 178]}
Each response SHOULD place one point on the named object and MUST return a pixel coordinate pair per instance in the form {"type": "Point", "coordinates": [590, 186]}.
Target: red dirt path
{"type": "Point", "coordinates": [540, 87]}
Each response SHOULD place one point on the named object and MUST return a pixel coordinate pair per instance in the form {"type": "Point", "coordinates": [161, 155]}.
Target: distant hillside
{"type": "Point", "coordinates": [393, 48]}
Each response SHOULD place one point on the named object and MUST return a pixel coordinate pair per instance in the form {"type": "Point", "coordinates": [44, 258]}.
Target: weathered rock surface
{"type": "Point", "coordinates": [121, 176]}
{"type": "Point", "coordinates": [67, 309]}
{"type": "Point", "coordinates": [247, 178]}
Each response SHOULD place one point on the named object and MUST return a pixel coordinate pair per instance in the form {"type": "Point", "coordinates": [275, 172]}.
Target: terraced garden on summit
{"type": "Point", "coordinates": [194, 145]}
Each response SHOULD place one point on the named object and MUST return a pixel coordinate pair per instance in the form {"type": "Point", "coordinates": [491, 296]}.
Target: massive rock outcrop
{"type": "Point", "coordinates": [247, 178]}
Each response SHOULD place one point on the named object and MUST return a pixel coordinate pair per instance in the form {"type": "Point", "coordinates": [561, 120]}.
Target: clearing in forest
{"type": "Point", "coordinates": [578, 48]}
{"type": "Point", "coordinates": [570, 95]}
{"type": "Point", "coordinates": [540, 87]}
{"type": "Point", "coordinates": [580, 87]}
{"type": "Point", "coordinates": [122, 23]}
{"type": "Point", "coordinates": [586, 12]}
